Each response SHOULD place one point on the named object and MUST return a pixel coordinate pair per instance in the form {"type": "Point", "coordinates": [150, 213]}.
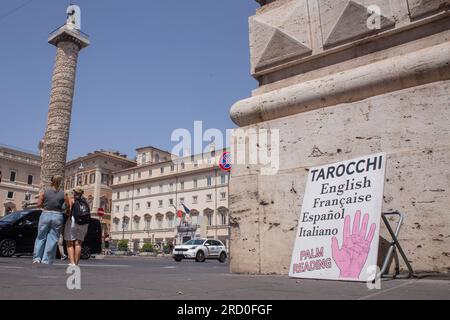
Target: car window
{"type": "Point", "coordinates": [13, 217]}
{"type": "Point", "coordinates": [217, 243]}
{"type": "Point", "coordinates": [194, 242]}
{"type": "Point", "coordinates": [33, 217]}
{"type": "Point", "coordinates": [209, 242]}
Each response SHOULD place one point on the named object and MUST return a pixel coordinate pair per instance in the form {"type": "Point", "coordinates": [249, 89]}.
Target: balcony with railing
{"type": "Point", "coordinates": [187, 228]}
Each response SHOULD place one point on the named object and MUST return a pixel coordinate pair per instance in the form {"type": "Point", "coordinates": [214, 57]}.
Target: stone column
{"type": "Point", "coordinates": [69, 42]}
{"type": "Point", "coordinates": [59, 115]}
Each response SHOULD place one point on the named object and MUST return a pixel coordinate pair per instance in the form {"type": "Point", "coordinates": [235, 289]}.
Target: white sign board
{"type": "Point", "coordinates": [338, 231]}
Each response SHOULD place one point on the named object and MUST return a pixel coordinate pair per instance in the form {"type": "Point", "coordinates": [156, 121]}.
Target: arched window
{"type": "Point", "coordinates": [209, 215]}
{"type": "Point", "coordinates": [170, 219]}
{"type": "Point", "coordinates": [125, 223]}
{"type": "Point", "coordinates": [104, 204]}
{"type": "Point", "coordinates": [116, 222]}
{"type": "Point", "coordinates": [9, 207]}
{"type": "Point", "coordinates": [195, 217]}
{"type": "Point", "coordinates": [90, 201]}
{"type": "Point", "coordinates": [148, 220]}
{"type": "Point", "coordinates": [223, 214]}
{"type": "Point", "coordinates": [159, 220]}
{"type": "Point", "coordinates": [136, 220]}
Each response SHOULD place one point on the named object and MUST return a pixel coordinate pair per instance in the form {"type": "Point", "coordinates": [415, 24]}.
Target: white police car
{"type": "Point", "coordinates": [200, 250]}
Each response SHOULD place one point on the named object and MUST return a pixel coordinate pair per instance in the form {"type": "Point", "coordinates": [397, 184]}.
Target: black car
{"type": "Point", "coordinates": [18, 232]}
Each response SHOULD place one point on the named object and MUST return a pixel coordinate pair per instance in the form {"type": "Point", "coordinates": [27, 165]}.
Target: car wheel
{"type": "Point", "coordinates": [85, 253]}
{"type": "Point", "coordinates": [177, 259]}
{"type": "Point", "coordinates": [223, 257]}
{"type": "Point", "coordinates": [7, 248]}
{"type": "Point", "coordinates": [200, 257]}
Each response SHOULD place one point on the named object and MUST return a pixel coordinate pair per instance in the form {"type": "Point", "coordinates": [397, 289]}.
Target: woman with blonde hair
{"type": "Point", "coordinates": [51, 222]}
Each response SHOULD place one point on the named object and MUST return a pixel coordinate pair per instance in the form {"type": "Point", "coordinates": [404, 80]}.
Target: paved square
{"type": "Point", "coordinates": [163, 278]}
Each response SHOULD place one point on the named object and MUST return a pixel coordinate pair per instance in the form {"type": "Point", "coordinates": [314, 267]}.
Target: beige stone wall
{"type": "Point", "coordinates": [337, 90]}
{"type": "Point", "coordinates": [412, 126]}
{"type": "Point", "coordinates": [295, 37]}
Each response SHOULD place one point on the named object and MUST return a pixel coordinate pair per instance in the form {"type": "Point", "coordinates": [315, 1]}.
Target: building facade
{"type": "Point", "coordinates": [94, 173]}
{"type": "Point", "coordinates": [148, 197]}
{"type": "Point", "coordinates": [19, 179]}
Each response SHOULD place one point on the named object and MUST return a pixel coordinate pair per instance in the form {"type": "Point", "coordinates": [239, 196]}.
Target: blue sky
{"type": "Point", "coordinates": [153, 66]}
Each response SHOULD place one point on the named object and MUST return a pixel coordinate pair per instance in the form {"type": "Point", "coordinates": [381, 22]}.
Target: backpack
{"type": "Point", "coordinates": [81, 212]}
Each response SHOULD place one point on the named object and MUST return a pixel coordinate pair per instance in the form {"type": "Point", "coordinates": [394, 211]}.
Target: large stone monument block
{"type": "Point", "coordinates": [336, 90]}
{"type": "Point", "coordinates": [346, 20]}
{"type": "Point", "coordinates": [281, 34]}
{"type": "Point", "coordinates": [419, 8]}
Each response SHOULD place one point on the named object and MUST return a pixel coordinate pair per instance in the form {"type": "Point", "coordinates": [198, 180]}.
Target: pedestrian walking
{"type": "Point", "coordinates": [61, 247]}
{"type": "Point", "coordinates": [77, 226]}
{"type": "Point", "coordinates": [107, 239]}
{"type": "Point", "coordinates": [51, 222]}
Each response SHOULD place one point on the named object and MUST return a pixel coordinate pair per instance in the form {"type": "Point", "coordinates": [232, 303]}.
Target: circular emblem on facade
{"type": "Point", "coordinates": [225, 161]}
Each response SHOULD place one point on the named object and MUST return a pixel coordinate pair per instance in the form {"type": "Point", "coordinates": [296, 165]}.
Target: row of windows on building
{"type": "Point", "coordinates": [86, 179]}
{"type": "Point", "coordinates": [162, 170]}
{"type": "Point", "coordinates": [93, 163]}
{"type": "Point", "coordinates": [10, 195]}
{"type": "Point", "coordinates": [137, 225]}
{"type": "Point", "coordinates": [13, 177]}
{"type": "Point", "coordinates": [105, 203]}
{"type": "Point", "coordinates": [158, 158]}
{"type": "Point", "coordinates": [161, 223]}
{"type": "Point", "coordinates": [19, 158]}
{"type": "Point", "coordinates": [170, 187]}
{"type": "Point", "coordinates": [170, 202]}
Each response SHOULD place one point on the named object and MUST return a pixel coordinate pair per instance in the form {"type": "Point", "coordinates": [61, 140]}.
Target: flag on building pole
{"type": "Point", "coordinates": [179, 212]}
{"type": "Point", "coordinates": [186, 209]}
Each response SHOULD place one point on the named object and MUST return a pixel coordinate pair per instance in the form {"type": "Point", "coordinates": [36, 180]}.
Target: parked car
{"type": "Point", "coordinates": [200, 250]}
{"type": "Point", "coordinates": [18, 232]}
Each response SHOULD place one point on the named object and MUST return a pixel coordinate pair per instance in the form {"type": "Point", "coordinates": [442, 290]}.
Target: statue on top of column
{"type": "Point", "coordinates": [74, 17]}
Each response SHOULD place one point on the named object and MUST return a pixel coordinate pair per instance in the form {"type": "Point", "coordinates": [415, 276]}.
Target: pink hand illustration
{"type": "Point", "coordinates": [352, 256]}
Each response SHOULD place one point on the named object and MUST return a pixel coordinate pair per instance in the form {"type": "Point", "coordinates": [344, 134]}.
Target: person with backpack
{"type": "Point", "coordinates": [107, 239]}
{"type": "Point", "coordinates": [53, 202]}
{"type": "Point", "coordinates": [77, 226]}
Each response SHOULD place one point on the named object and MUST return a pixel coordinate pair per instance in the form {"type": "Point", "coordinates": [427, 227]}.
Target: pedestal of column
{"type": "Point", "coordinates": [339, 82]}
